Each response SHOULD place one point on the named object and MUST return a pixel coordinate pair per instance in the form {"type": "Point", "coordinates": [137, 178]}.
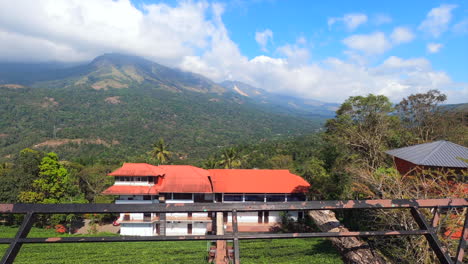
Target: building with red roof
{"type": "Point", "coordinates": [144, 183]}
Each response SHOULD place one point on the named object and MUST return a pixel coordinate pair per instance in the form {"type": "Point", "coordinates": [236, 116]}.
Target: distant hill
{"type": "Point", "coordinates": [306, 107]}
{"type": "Point", "coordinates": [118, 105]}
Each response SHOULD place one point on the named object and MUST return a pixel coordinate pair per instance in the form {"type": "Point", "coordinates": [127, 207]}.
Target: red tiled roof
{"type": "Point", "coordinates": [137, 169]}
{"type": "Point", "coordinates": [256, 181]}
{"type": "Point", "coordinates": [131, 190]}
{"type": "Point", "coordinates": [185, 179]}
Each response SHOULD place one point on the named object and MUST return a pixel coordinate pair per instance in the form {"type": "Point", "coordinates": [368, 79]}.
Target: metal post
{"type": "Point", "coordinates": [162, 224]}
{"type": "Point", "coordinates": [463, 241]}
{"type": "Point", "coordinates": [15, 246]}
{"type": "Point", "coordinates": [435, 217]}
{"type": "Point", "coordinates": [235, 230]}
{"type": "Point", "coordinates": [431, 237]}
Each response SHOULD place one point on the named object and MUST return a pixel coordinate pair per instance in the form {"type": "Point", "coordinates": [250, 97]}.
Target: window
{"type": "Point", "coordinates": [182, 196]}
{"type": "Point", "coordinates": [146, 197]}
{"type": "Point", "coordinates": [151, 179]}
{"type": "Point", "coordinates": [296, 197]}
{"type": "Point", "coordinates": [275, 198]}
{"type": "Point", "coordinates": [233, 197]}
{"type": "Point", "coordinates": [254, 198]}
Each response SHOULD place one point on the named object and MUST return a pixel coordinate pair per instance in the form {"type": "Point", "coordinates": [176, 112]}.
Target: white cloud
{"type": "Point", "coordinates": [401, 35]}
{"type": "Point", "coordinates": [461, 27]}
{"type": "Point", "coordinates": [381, 19]}
{"type": "Point", "coordinates": [351, 21]}
{"type": "Point", "coordinates": [193, 37]}
{"type": "Point", "coordinates": [375, 43]}
{"type": "Point", "coordinates": [434, 47]}
{"type": "Point", "coordinates": [437, 20]}
{"type": "Point", "coordinates": [263, 38]}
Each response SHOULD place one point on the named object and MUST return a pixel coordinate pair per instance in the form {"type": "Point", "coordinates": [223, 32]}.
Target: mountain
{"type": "Point", "coordinates": [306, 107]}
{"type": "Point", "coordinates": [117, 106]}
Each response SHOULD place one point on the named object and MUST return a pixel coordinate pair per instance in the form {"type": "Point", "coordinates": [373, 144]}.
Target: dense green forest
{"type": "Point", "coordinates": [117, 106]}
{"type": "Point", "coordinates": [346, 161]}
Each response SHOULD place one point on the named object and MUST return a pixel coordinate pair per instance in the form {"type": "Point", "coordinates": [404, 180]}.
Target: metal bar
{"type": "Point", "coordinates": [16, 244]}
{"type": "Point", "coordinates": [235, 231]}
{"type": "Point", "coordinates": [463, 242]}
{"type": "Point", "coordinates": [223, 207]}
{"type": "Point", "coordinates": [241, 236]}
{"type": "Point", "coordinates": [431, 237]}
{"type": "Point", "coordinates": [435, 217]}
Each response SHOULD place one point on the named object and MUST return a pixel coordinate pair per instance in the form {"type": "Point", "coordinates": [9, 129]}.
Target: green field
{"type": "Point", "coordinates": [252, 251]}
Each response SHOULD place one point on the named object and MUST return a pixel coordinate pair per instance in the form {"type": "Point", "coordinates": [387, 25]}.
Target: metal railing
{"type": "Point", "coordinates": [427, 229]}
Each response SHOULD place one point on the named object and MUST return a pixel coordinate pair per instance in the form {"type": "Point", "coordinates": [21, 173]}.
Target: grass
{"type": "Point", "coordinates": [252, 251]}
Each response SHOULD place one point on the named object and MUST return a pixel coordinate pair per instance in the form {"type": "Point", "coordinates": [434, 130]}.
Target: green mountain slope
{"type": "Point", "coordinates": [117, 106]}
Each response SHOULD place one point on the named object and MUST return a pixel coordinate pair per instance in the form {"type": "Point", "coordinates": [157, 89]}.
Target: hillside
{"type": "Point", "coordinates": [116, 106]}
{"type": "Point", "coordinates": [283, 103]}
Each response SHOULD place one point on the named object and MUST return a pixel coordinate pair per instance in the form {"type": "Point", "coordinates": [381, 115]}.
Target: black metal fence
{"type": "Point", "coordinates": [427, 229]}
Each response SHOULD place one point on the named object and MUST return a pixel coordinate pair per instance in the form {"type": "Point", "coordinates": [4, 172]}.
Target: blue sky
{"type": "Point", "coordinates": [326, 50]}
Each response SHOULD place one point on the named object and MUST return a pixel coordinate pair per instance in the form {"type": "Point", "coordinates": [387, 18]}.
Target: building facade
{"type": "Point", "coordinates": [141, 183]}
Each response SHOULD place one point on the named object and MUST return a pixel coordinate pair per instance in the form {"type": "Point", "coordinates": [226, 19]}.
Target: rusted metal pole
{"type": "Point", "coordinates": [435, 217]}
{"type": "Point", "coordinates": [220, 244]}
{"type": "Point", "coordinates": [431, 237]}
{"type": "Point", "coordinates": [16, 244]}
{"type": "Point", "coordinates": [235, 230]}
{"type": "Point", "coordinates": [463, 242]}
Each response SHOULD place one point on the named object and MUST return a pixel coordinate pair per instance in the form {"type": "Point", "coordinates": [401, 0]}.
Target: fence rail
{"type": "Point", "coordinates": [426, 228]}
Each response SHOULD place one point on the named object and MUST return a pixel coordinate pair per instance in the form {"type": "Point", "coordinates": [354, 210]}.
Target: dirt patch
{"type": "Point", "coordinates": [79, 141]}
{"type": "Point", "coordinates": [12, 86]}
{"type": "Point", "coordinates": [49, 102]}
{"type": "Point", "coordinates": [113, 100]}
{"type": "Point", "coordinates": [214, 100]}
{"type": "Point", "coordinates": [3, 135]}
{"type": "Point", "coordinates": [108, 83]}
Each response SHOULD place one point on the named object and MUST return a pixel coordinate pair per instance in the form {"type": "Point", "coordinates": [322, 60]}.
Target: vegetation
{"type": "Point", "coordinates": [252, 251]}
{"type": "Point", "coordinates": [347, 161]}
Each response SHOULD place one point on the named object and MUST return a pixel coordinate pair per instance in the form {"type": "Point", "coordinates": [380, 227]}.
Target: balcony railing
{"type": "Point", "coordinates": [426, 229]}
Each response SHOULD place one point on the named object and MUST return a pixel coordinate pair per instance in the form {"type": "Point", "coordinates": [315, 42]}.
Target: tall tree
{"type": "Point", "coordinates": [363, 125]}
{"type": "Point", "coordinates": [160, 152]}
{"type": "Point", "coordinates": [53, 184]}
{"type": "Point", "coordinates": [231, 158]}
{"type": "Point", "coordinates": [422, 115]}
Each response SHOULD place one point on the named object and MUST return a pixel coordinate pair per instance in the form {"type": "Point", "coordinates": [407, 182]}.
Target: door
{"type": "Point", "coordinates": [260, 217]}
{"type": "Point", "coordinates": [189, 229]}
{"type": "Point", "coordinates": [265, 217]}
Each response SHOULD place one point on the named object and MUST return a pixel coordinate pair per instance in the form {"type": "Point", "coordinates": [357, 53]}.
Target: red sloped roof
{"type": "Point", "coordinates": [185, 179]}
{"type": "Point", "coordinates": [257, 181]}
{"type": "Point", "coordinates": [131, 190]}
{"type": "Point", "coordinates": [137, 169]}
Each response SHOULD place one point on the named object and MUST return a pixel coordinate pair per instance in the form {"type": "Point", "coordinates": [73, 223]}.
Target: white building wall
{"type": "Point", "coordinates": [176, 229]}
{"type": "Point", "coordinates": [199, 229]}
{"type": "Point", "coordinates": [137, 229]}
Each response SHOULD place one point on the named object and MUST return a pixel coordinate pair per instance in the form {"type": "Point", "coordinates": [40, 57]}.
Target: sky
{"type": "Point", "coordinates": [323, 50]}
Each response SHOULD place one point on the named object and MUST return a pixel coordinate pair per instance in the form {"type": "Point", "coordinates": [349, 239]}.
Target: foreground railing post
{"type": "Point", "coordinates": [15, 246]}
{"type": "Point", "coordinates": [235, 231]}
{"type": "Point", "coordinates": [463, 241]}
{"type": "Point", "coordinates": [434, 242]}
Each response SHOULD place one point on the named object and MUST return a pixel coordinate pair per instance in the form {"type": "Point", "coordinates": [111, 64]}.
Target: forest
{"type": "Point", "coordinates": [345, 161]}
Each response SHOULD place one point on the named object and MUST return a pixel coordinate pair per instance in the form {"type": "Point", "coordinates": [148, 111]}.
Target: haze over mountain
{"type": "Point", "coordinates": [118, 105]}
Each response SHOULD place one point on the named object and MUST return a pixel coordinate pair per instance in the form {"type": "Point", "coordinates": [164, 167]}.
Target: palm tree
{"type": "Point", "coordinates": [210, 163]}
{"type": "Point", "coordinates": [160, 152]}
{"type": "Point", "coordinates": [231, 158]}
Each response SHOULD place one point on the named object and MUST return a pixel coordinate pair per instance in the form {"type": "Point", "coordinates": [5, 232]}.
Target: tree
{"type": "Point", "coordinates": [422, 115]}
{"type": "Point", "coordinates": [365, 127]}
{"type": "Point", "coordinates": [19, 175]}
{"type": "Point", "coordinates": [160, 152]}
{"type": "Point", "coordinates": [53, 183]}
{"type": "Point", "coordinates": [231, 158]}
